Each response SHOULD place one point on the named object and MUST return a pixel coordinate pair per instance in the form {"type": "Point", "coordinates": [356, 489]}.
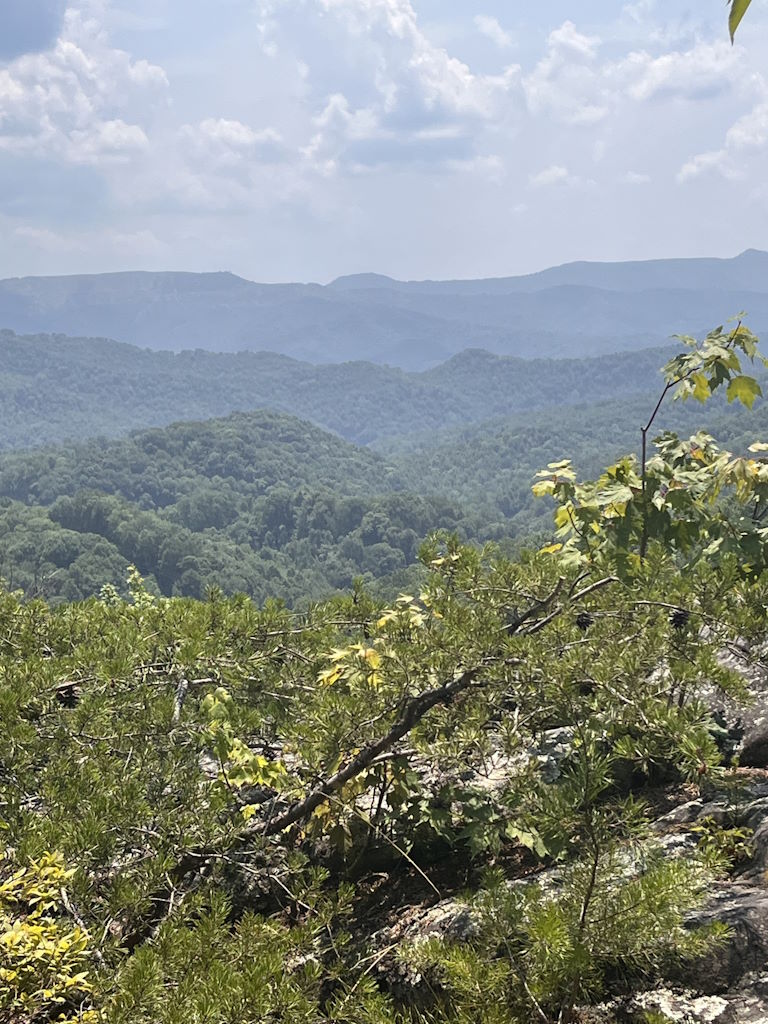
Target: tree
{"type": "Point", "coordinates": [674, 498]}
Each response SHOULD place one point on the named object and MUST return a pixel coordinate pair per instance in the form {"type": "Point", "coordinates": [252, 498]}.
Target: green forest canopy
{"type": "Point", "coordinates": [271, 506]}
{"type": "Point", "coordinates": [55, 389]}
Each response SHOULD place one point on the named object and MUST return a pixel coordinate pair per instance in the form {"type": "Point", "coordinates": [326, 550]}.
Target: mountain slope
{"type": "Point", "coordinates": [272, 506]}
{"type": "Point", "coordinates": [54, 388]}
{"type": "Point", "coordinates": [746, 272]}
{"type": "Point", "coordinates": [260, 503]}
{"type": "Point", "coordinates": [575, 310]}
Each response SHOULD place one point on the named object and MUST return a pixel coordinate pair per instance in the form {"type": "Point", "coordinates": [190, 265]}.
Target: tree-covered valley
{"type": "Point", "coordinates": [258, 503]}
{"type": "Point", "coordinates": [270, 505]}
{"type": "Point", "coordinates": [55, 388]}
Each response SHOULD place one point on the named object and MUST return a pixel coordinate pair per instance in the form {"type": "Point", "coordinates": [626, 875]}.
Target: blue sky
{"type": "Point", "coordinates": [303, 139]}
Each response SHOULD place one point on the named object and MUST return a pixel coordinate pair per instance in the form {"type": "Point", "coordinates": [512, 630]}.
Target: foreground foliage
{"type": "Point", "coordinates": [156, 744]}
{"type": "Point", "coordinates": [247, 812]}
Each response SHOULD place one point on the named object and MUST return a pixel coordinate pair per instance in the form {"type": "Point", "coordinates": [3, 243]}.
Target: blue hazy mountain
{"type": "Point", "coordinates": [576, 310]}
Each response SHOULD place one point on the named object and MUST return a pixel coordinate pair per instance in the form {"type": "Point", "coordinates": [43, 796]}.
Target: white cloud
{"type": "Point", "coordinates": [220, 164]}
{"type": "Point", "coordinates": [747, 137]}
{"type": "Point", "coordinates": [635, 178]}
{"type": "Point", "coordinates": [700, 73]}
{"type": "Point", "coordinates": [358, 132]}
{"type": "Point", "coordinates": [408, 63]}
{"type": "Point", "coordinates": [557, 174]}
{"type": "Point", "coordinates": [41, 238]}
{"type": "Point", "coordinates": [566, 83]}
{"type": "Point", "coordinates": [554, 175]}
{"type": "Point", "coordinates": [716, 160]}
{"type": "Point", "coordinates": [107, 141]}
{"type": "Point", "coordinates": [404, 99]}
{"type": "Point", "coordinates": [639, 10]}
{"type": "Point", "coordinates": [136, 244]}
{"type": "Point", "coordinates": [491, 28]}
{"type": "Point", "coordinates": [236, 134]}
{"type": "Point", "coordinates": [750, 131]}
{"type": "Point", "coordinates": [68, 102]}
{"type": "Point", "coordinates": [571, 85]}
{"type": "Point", "coordinates": [229, 143]}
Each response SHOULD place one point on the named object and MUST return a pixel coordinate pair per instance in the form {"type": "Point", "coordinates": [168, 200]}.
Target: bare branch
{"type": "Point", "coordinates": [414, 711]}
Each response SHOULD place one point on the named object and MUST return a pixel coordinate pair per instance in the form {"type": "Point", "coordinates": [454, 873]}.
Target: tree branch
{"type": "Point", "coordinates": [537, 606]}
{"type": "Point", "coordinates": [414, 710]}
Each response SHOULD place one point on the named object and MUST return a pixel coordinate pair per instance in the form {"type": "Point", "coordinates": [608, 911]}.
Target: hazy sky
{"type": "Point", "coordinates": [302, 139]}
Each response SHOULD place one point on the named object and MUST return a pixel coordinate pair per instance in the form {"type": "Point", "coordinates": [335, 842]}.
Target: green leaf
{"type": "Point", "coordinates": [744, 390]}
{"type": "Point", "coordinates": [738, 10]}
{"type": "Point", "coordinates": [530, 840]}
{"type": "Point", "coordinates": [615, 494]}
{"type": "Point", "coordinates": [700, 384]}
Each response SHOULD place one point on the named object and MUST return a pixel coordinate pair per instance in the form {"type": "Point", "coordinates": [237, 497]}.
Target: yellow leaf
{"type": "Point", "coordinates": [372, 656]}
{"type": "Point", "coordinates": [390, 615]}
{"type": "Point", "coordinates": [700, 387]}
{"type": "Point", "coordinates": [331, 676]}
{"type": "Point", "coordinates": [551, 549]}
{"type": "Point", "coordinates": [563, 516]}
{"type": "Point", "coordinates": [543, 487]}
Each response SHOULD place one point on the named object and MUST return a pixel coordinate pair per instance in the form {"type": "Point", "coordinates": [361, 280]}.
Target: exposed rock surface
{"type": "Point", "coordinates": [746, 1005]}
{"type": "Point", "coordinates": [730, 984]}
{"type": "Point", "coordinates": [746, 724]}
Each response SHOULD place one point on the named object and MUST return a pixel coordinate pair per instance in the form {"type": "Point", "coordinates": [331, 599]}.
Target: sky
{"type": "Point", "coordinates": [299, 140]}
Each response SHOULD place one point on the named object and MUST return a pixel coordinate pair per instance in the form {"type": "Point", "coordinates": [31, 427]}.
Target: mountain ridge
{"type": "Point", "coordinates": [55, 388]}
{"type": "Point", "coordinates": [578, 309]}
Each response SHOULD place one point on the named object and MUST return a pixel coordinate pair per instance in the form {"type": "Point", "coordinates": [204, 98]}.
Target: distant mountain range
{"type": "Point", "coordinates": [575, 310]}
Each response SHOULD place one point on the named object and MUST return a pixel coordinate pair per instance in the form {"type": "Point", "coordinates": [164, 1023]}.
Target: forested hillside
{"type": "Point", "coordinates": [271, 506]}
{"type": "Point", "coordinates": [409, 324]}
{"type": "Point", "coordinates": [54, 388]}
{"type": "Point", "coordinates": [491, 464]}
{"type": "Point", "coordinates": [258, 503]}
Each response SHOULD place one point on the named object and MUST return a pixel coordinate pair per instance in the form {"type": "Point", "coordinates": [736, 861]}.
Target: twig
{"type": "Point", "coordinates": [178, 704]}
{"type": "Point", "coordinates": [72, 911]}
{"type": "Point", "coordinates": [537, 606]}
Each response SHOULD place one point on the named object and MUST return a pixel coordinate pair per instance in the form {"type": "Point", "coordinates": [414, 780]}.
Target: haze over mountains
{"type": "Point", "coordinates": [575, 310]}
{"type": "Point", "coordinates": [464, 388]}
